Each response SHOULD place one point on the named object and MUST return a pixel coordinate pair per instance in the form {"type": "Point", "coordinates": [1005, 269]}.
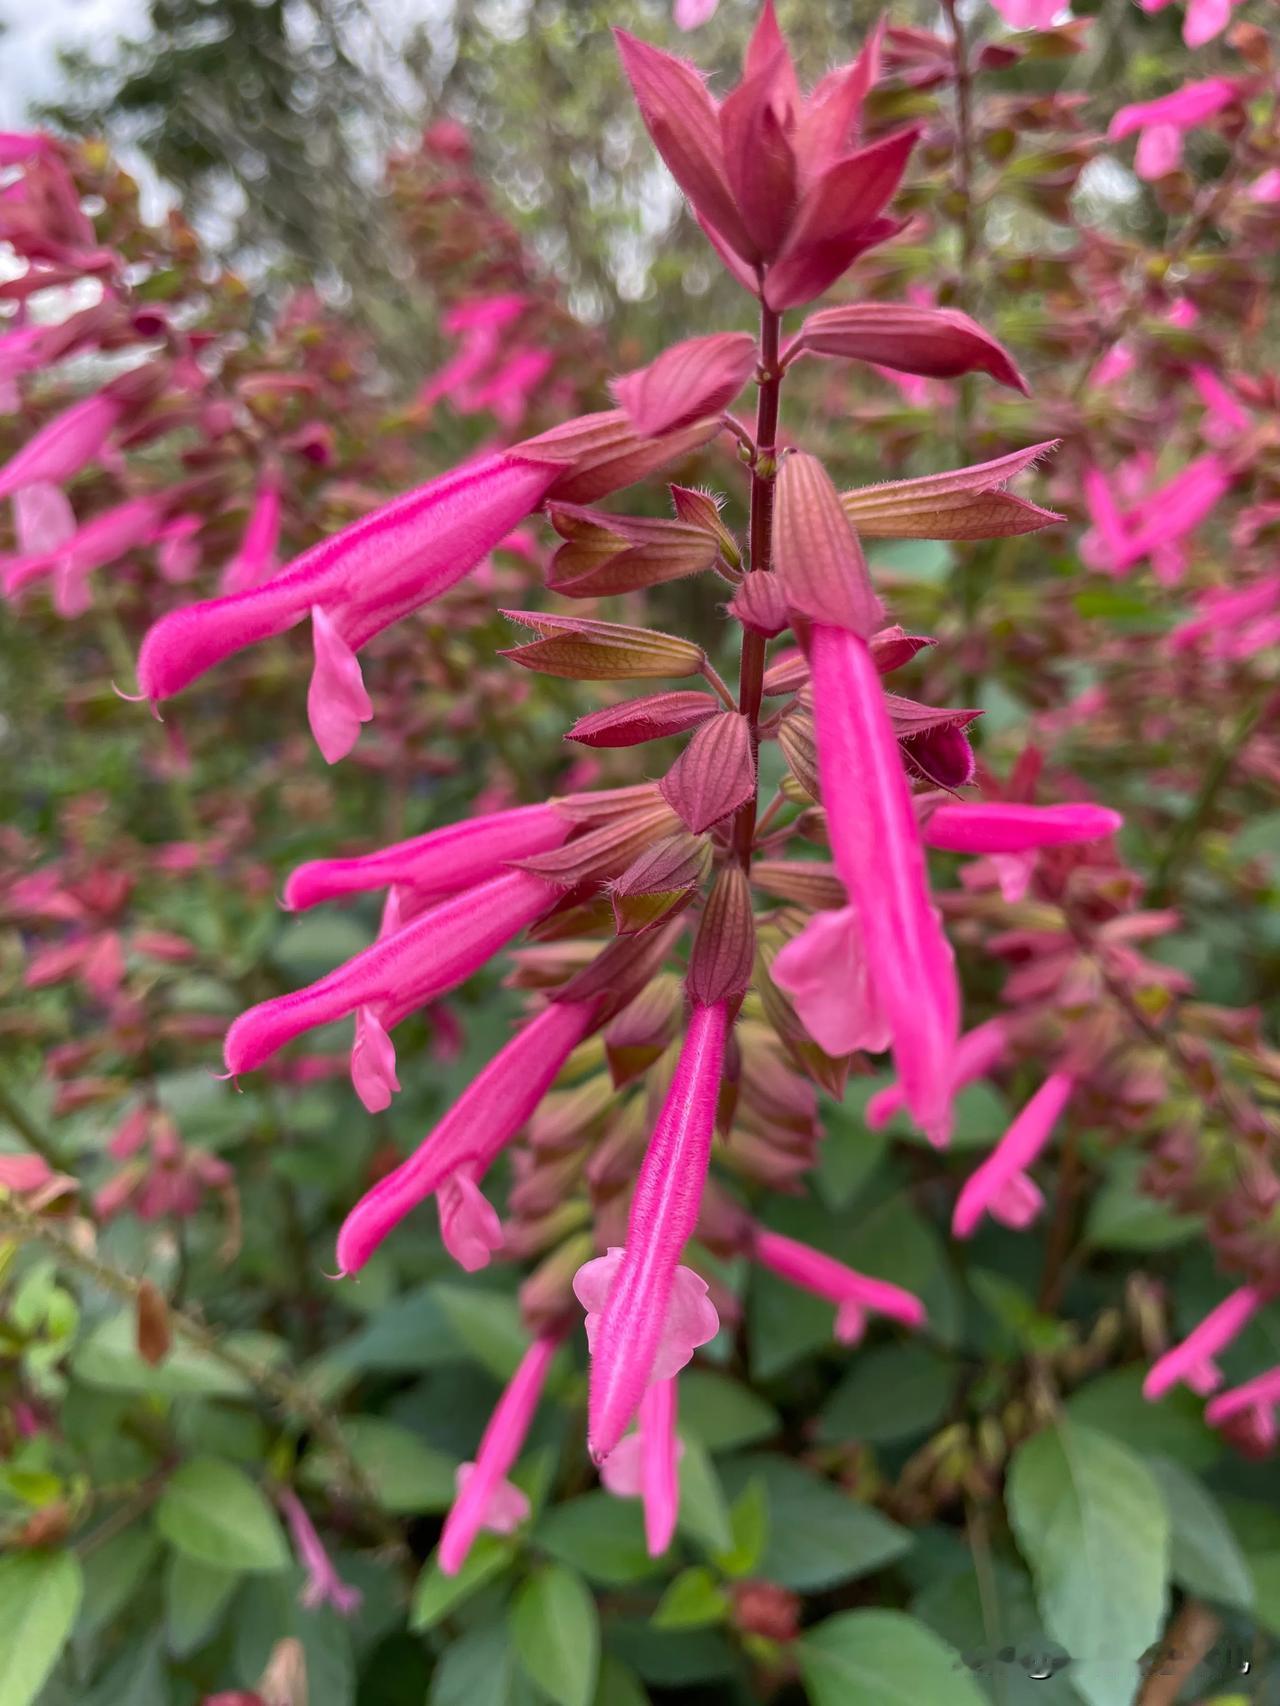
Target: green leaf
{"type": "Point", "coordinates": [891, 1392]}
{"type": "Point", "coordinates": [749, 1526]}
{"type": "Point", "coordinates": [39, 1598]}
{"type": "Point", "coordinates": [1205, 1557]}
{"type": "Point", "coordinates": [407, 1476]}
{"type": "Point", "coordinates": [486, 1326]}
{"type": "Point", "coordinates": [818, 1534]}
{"type": "Point", "coordinates": [557, 1634]}
{"type": "Point", "coordinates": [113, 1573]}
{"type": "Point", "coordinates": [882, 1658]}
{"type": "Point", "coordinates": [195, 1597]}
{"type": "Point", "coordinates": [1091, 1522]}
{"type": "Point", "coordinates": [1122, 1216]}
{"type": "Point", "coordinates": [481, 1667]}
{"type": "Point", "coordinates": [722, 1414]}
{"type": "Point", "coordinates": [436, 1595]}
{"type": "Point", "coordinates": [599, 1535]}
{"type": "Point", "coordinates": [108, 1359]}
{"type": "Point", "coordinates": [1175, 1427]}
{"type": "Point", "coordinates": [694, 1600]}
{"type": "Point", "coordinates": [704, 1511]}
{"type": "Point", "coordinates": [916, 559]}
{"type": "Point", "coordinates": [215, 1514]}
{"type": "Point", "coordinates": [618, 1686]}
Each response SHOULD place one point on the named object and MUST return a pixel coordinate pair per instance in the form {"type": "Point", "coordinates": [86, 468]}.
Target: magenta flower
{"type": "Point", "coordinates": [645, 1465]}
{"type": "Point", "coordinates": [1001, 1187]}
{"type": "Point", "coordinates": [1252, 1407]}
{"type": "Point", "coordinates": [469, 1224]}
{"type": "Point", "coordinates": [826, 973]}
{"type": "Point", "coordinates": [1192, 1363]}
{"type": "Point", "coordinates": [1202, 20]}
{"type": "Point", "coordinates": [360, 580]}
{"type": "Point", "coordinates": [976, 1053]}
{"type": "Point", "coordinates": [855, 1295]}
{"type": "Point", "coordinates": [1156, 525]}
{"type": "Point", "coordinates": [431, 954]}
{"type": "Point", "coordinates": [1162, 123]}
{"type": "Point", "coordinates": [486, 1499]}
{"type": "Point", "coordinates": [997, 826]}
{"type": "Point", "coordinates": [63, 445]}
{"type": "Point", "coordinates": [1029, 14]}
{"type": "Point", "coordinates": [323, 1585]}
{"type": "Point", "coordinates": [255, 560]}
{"type": "Point", "coordinates": [432, 866]}
{"type": "Point", "coordinates": [107, 537]}
{"type": "Point", "coordinates": [485, 1117]}
{"type": "Point", "coordinates": [688, 14]}
{"type": "Point", "coordinates": [1235, 624]}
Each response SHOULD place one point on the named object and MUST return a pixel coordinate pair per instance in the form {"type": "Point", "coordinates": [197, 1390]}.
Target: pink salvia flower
{"type": "Point", "coordinates": [337, 701]}
{"type": "Point", "coordinates": [486, 1499]}
{"type": "Point", "coordinates": [363, 579]}
{"type": "Point", "coordinates": [999, 827]}
{"type": "Point", "coordinates": [689, 14]}
{"type": "Point", "coordinates": [825, 972]}
{"type": "Point", "coordinates": [1235, 624]}
{"type": "Point", "coordinates": [1162, 123]}
{"type": "Point", "coordinates": [645, 1465]}
{"type": "Point", "coordinates": [1029, 14]}
{"type": "Point", "coordinates": [647, 1326]}
{"type": "Point", "coordinates": [469, 1224]}
{"type": "Point", "coordinates": [1252, 1404]}
{"type": "Point", "coordinates": [63, 445]}
{"type": "Point", "coordinates": [1192, 1363]}
{"type": "Point", "coordinates": [113, 534]}
{"type": "Point", "coordinates": [404, 971]}
{"type": "Point", "coordinates": [373, 1062]}
{"type": "Point", "coordinates": [1001, 1187]}
{"type": "Point", "coordinates": [976, 1053]}
{"type": "Point", "coordinates": [437, 864]}
{"type": "Point", "coordinates": [876, 845]}
{"type": "Point", "coordinates": [255, 560]}
{"type": "Point", "coordinates": [855, 1295]}
{"type": "Point", "coordinates": [485, 1117]}
{"type": "Point", "coordinates": [323, 1585]}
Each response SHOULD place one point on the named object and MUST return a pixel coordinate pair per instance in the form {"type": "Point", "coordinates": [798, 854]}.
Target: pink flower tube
{"type": "Point", "coordinates": [634, 1321]}
{"type": "Point", "coordinates": [361, 580]}
{"type": "Point", "coordinates": [256, 558]}
{"type": "Point", "coordinates": [400, 973]}
{"type": "Point", "coordinates": [993, 826]}
{"type": "Point", "coordinates": [645, 1465]}
{"type": "Point", "coordinates": [853, 1294]}
{"type": "Point", "coordinates": [488, 1114]}
{"type": "Point", "coordinates": [976, 1053]}
{"type": "Point", "coordinates": [323, 1585]}
{"type": "Point", "coordinates": [436, 864]}
{"type": "Point", "coordinates": [1254, 1403]}
{"type": "Point", "coordinates": [876, 846]}
{"type": "Point", "coordinates": [63, 446]}
{"type": "Point", "coordinates": [1192, 1362]}
{"type": "Point", "coordinates": [1001, 1187]}
{"type": "Point", "coordinates": [486, 1499]}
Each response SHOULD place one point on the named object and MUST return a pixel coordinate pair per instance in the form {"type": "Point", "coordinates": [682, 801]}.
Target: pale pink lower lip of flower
{"type": "Point", "coordinates": [433, 953]}
{"type": "Point", "coordinates": [366, 577]}
{"type": "Point", "coordinates": [875, 842]}
{"type": "Point", "coordinates": [1254, 1394]}
{"type": "Point", "coordinates": [499, 1449]}
{"type": "Point", "coordinates": [1015, 1152]}
{"type": "Point", "coordinates": [659, 1465]}
{"type": "Point", "coordinates": [1195, 1354]}
{"type": "Point", "coordinates": [817, 1272]}
{"type": "Point", "coordinates": [996, 827]}
{"type": "Point", "coordinates": [436, 864]}
{"type": "Point", "coordinates": [976, 1053]}
{"type": "Point", "coordinates": [664, 1213]}
{"type": "Point", "coordinates": [485, 1117]}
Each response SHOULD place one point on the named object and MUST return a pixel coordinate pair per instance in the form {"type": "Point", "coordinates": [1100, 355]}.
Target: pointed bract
{"type": "Point", "coordinates": [816, 551]}
{"type": "Point", "coordinates": [691, 380]}
{"type": "Point", "coordinates": [940, 343]}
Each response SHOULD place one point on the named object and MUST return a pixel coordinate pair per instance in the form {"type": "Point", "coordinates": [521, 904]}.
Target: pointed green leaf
{"type": "Point", "coordinates": [557, 1634]}
{"type": "Point", "coordinates": [39, 1598]}
{"type": "Point", "coordinates": [214, 1513]}
{"type": "Point", "coordinates": [1206, 1556]}
{"type": "Point", "coordinates": [882, 1658]}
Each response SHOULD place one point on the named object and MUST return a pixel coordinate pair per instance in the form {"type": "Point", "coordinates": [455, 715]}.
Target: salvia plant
{"type": "Point", "coordinates": [711, 938]}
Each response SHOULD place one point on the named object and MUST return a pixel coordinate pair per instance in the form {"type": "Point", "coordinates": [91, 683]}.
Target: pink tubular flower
{"type": "Point", "coordinates": [63, 446]}
{"type": "Point", "coordinates": [256, 558]}
{"type": "Point", "coordinates": [323, 1585]}
{"type": "Point", "coordinates": [982, 826]}
{"type": "Point", "coordinates": [645, 1465]}
{"type": "Point", "coordinates": [437, 864]}
{"type": "Point", "coordinates": [361, 580]}
{"type": "Point", "coordinates": [486, 1499]}
{"type": "Point", "coordinates": [400, 973]}
{"type": "Point", "coordinates": [1163, 122]}
{"type": "Point", "coordinates": [1001, 1186]}
{"type": "Point", "coordinates": [1202, 21]}
{"type": "Point", "coordinates": [854, 1294]}
{"type": "Point", "coordinates": [976, 1053]}
{"type": "Point", "coordinates": [1253, 1406]}
{"type": "Point", "coordinates": [1192, 1362]}
{"type": "Point", "coordinates": [647, 1323]}
{"type": "Point", "coordinates": [1156, 525]}
{"type": "Point", "coordinates": [876, 846]}
{"type": "Point", "coordinates": [484, 1118]}
{"type": "Point", "coordinates": [113, 534]}
{"type": "Point", "coordinates": [688, 14]}
{"type": "Point", "coordinates": [1234, 624]}
{"type": "Point", "coordinates": [1029, 14]}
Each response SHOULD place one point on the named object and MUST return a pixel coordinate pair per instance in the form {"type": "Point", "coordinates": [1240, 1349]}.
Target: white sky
{"type": "Point", "coordinates": [35, 29]}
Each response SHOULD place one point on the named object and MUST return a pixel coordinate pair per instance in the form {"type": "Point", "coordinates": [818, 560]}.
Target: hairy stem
{"type": "Point", "coordinates": [763, 473]}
